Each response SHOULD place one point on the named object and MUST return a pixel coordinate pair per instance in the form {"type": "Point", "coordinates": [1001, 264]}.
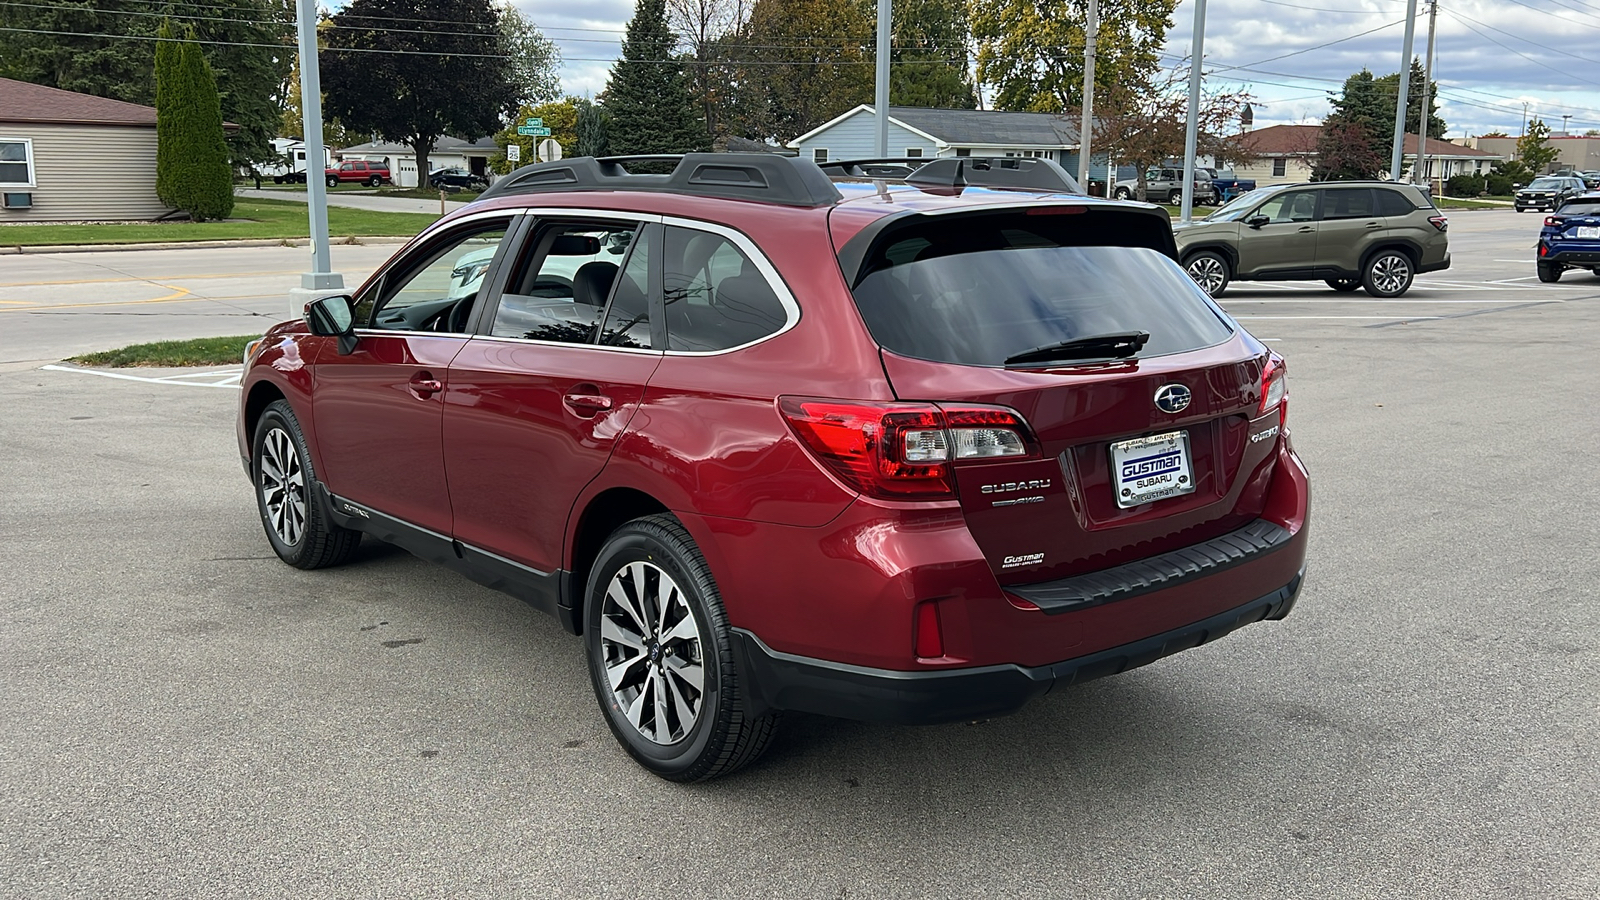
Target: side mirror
{"type": "Point", "coordinates": [331, 317]}
{"type": "Point", "coordinates": [1257, 221]}
{"type": "Point", "coordinates": [1514, 185]}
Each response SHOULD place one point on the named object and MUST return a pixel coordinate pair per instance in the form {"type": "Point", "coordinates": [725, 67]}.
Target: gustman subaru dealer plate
{"type": "Point", "coordinates": [1151, 468]}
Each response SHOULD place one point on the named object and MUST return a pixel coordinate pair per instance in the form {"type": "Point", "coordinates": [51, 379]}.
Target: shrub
{"type": "Point", "coordinates": [192, 170]}
{"type": "Point", "coordinates": [1470, 185]}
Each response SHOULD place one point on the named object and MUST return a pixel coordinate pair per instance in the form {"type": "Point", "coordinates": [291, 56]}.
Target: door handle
{"type": "Point", "coordinates": [587, 404]}
{"type": "Point", "coordinates": [1306, 229]}
{"type": "Point", "coordinates": [424, 385]}
{"type": "Point", "coordinates": [1374, 224]}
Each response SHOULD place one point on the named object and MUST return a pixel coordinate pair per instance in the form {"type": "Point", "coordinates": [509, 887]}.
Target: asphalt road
{"type": "Point", "coordinates": [185, 716]}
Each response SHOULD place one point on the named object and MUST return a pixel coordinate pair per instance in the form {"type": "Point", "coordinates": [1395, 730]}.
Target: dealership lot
{"type": "Point", "coordinates": [186, 716]}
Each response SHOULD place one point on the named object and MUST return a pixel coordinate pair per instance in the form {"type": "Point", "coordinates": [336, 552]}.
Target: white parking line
{"type": "Point", "coordinates": [1361, 300]}
{"type": "Point", "coordinates": [229, 378]}
{"type": "Point", "coordinates": [1380, 318]}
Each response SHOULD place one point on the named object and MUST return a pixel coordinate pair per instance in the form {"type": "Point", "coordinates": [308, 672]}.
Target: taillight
{"type": "Point", "coordinates": [905, 451]}
{"type": "Point", "coordinates": [1275, 388]}
{"type": "Point", "coordinates": [1552, 221]}
{"type": "Point", "coordinates": [1440, 222]}
{"type": "Point", "coordinates": [1544, 250]}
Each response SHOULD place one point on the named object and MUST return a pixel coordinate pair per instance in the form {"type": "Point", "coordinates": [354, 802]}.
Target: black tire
{"type": "Point", "coordinates": [1343, 285]}
{"type": "Point", "coordinates": [1388, 274]}
{"type": "Point", "coordinates": [374, 181]}
{"type": "Point", "coordinates": [317, 542]}
{"type": "Point", "coordinates": [1176, 197]}
{"type": "Point", "coordinates": [333, 180]}
{"type": "Point", "coordinates": [723, 736]}
{"type": "Point", "coordinates": [1123, 194]}
{"type": "Point", "coordinates": [1549, 274]}
{"type": "Point", "coordinates": [278, 179]}
{"type": "Point", "coordinates": [1210, 271]}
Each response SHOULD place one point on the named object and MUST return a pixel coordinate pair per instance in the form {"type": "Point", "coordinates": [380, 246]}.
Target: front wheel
{"type": "Point", "coordinates": [661, 659]}
{"type": "Point", "coordinates": [280, 466]}
{"type": "Point", "coordinates": [1388, 274]}
{"type": "Point", "coordinates": [1210, 271]}
{"type": "Point", "coordinates": [332, 181]}
{"type": "Point", "coordinates": [1122, 194]}
{"type": "Point", "coordinates": [1550, 274]}
{"type": "Point", "coordinates": [1176, 198]}
{"type": "Point", "coordinates": [1343, 285]}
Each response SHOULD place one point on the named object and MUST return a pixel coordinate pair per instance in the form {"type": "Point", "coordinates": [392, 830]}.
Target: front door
{"type": "Point", "coordinates": [1287, 242]}
{"type": "Point", "coordinates": [536, 402]}
{"type": "Point", "coordinates": [378, 409]}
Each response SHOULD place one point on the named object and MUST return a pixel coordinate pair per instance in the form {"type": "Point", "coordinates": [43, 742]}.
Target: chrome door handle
{"type": "Point", "coordinates": [424, 385]}
{"type": "Point", "coordinates": [588, 403]}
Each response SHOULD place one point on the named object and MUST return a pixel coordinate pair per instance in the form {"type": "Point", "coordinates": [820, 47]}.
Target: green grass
{"type": "Point", "coordinates": [258, 219]}
{"type": "Point", "coordinates": [172, 354]}
{"type": "Point", "coordinates": [464, 196]}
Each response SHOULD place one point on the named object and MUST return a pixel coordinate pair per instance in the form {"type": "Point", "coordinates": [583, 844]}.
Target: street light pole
{"type": "Point", "coordinates": [1191, 132]}
{"type": "Point", "coordinates": [1427, 83]}
{"type": "Point", "coordinates": [881, 95]}
{"type": "Point", "coordinates": [1405, 90]}
{"type": "Point", "coordinates": [1085, 130]}
{"type": "Point", "coordinates": [321, 281]}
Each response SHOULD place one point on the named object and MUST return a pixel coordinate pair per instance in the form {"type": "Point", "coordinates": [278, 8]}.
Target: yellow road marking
{"type": "Point", "coordinates": [151, 279]}
{"type": "Point", "coordinates": [179, 295]}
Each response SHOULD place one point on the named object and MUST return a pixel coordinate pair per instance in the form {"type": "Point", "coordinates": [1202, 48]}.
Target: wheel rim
{"type": "Point", "coordinates": [1389, 274]}
{"type": "Point", "coordinates": [650, 646]}
{"type": "Point", "coordinates": [1208, 273]}
{"type": "Point", "coordinates": [283, 487]}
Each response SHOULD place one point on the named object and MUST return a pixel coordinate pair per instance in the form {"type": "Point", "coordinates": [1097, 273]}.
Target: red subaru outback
{"type": "Point", "coordinates": [898, 450]}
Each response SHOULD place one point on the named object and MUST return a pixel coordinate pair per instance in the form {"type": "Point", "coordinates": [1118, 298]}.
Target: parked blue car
{"type": "Point", "coordinates": [1570, 238]}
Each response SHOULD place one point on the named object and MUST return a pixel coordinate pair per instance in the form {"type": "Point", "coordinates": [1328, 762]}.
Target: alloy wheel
{"type": "Point", "coordinates": [650, 641]}
{"type": "Point", "coordinates": [1207, 271]}
{"type": "Point", "coordinates": [283, 487]}
{"type": "Point", "coordinates": [1389, 274]}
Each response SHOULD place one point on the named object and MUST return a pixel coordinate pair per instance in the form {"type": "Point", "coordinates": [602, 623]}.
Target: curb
{"type": "Point", "coordinates": [191, 245]}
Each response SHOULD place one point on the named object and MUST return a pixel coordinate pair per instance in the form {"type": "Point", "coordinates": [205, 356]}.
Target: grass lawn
{"type": "Point", "coordinates": [171, 354]}
{"type": "Point", "coordinates": [261, 219]}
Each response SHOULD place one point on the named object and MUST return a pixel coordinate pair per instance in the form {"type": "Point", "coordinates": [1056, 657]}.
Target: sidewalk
{"type": "Point", "coordinates": [357, 201]}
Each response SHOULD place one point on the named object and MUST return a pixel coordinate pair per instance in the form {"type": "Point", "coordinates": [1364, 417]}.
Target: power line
{"type": "Point", "coordinates": [1309, 49]}
{"type": "Point", "coordinates": [1465, 21]}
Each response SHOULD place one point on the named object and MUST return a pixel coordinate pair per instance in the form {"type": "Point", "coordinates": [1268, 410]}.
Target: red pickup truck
{"type": "Point", "coordinates": [359, 171]}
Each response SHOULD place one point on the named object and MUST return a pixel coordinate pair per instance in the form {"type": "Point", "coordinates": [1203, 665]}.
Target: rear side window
{"type": "Point", "coordinates": [715, 298]}
{"type": "Point", "coordinates": [951, 292]}
{"type": "Point", "coordinates": [1580, 208]}
{"type": "Point", "coordinates": [1391, 203]}
{"type": "Point", "coordinates": [1347, 203]}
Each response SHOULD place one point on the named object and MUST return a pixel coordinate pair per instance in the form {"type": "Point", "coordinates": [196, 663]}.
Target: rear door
{"type": "Point", "coordinates": [1348, 224]}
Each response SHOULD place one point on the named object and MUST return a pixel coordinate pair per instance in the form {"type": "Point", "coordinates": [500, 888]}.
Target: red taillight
{"type": "Point", "coordinates": [1275, 388]}
{"type": "Point", "coordinates": [1552, 221]}
{"type": "Point", "coordinates": [1440, 222]}
{"type": "Point", "coordinates": [1544, 250]}
{"type": "Point", "coordinates": [930, 638]}
{"type": "Point", "coordinates": [905, 451]}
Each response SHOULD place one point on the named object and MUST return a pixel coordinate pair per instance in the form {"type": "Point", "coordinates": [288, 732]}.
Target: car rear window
{"type": "Point", "coordinates": [1581, 208]}
{"type": "Point", "coordinates": [956, 293]}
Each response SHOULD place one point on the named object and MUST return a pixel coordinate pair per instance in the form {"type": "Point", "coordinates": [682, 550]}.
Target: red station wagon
{"type": "Point", "coordinates": [907, 451]}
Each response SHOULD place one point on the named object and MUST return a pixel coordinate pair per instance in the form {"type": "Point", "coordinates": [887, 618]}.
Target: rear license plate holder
{"type": "Point", "coordinates": [1586, 232]}
{"type": "Point", "coordinates": [1151, 468]}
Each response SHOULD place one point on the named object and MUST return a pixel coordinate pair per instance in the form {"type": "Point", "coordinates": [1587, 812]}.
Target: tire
{"type": "Point", "coordinates": [1343, 285]}
{"type": "Point", "coordinates": [374, 181]}
{"type": "Point", "coordinates": [1549, 274]}
{"type": "Point", "coordinates": [1388, 274]}
{"type": "Point", "coordinates": [684, 738]}
{"type": "Point", "coordinates": [1176, 197]}
{"type": "Point", "coordinates": [278, 179]}
{"type": "Point", "coordinates": [1209, 270]}
{"type": "Point", "coordinates": [1122, 193]}
{"type": "Point", "coordinates": [285, 486]}
{"type": "Point", "coordinates": [333, 180]}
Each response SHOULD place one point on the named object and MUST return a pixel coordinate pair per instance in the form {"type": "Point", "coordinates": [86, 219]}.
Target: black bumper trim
{"type": "Point", "coordinates": [784, 681]}
{"type": "Point", "coordinates": [1155, 573]}
{"type": "Point", "coordinates": [1573, 257]}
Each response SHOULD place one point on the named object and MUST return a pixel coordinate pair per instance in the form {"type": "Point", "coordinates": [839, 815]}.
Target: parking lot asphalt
{"type": "Point", "coordinates": [186, 716]}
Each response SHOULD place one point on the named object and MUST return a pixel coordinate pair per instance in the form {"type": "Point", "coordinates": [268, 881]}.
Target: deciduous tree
{"type": "Point", "coordinates": [1534, 149]}
{"type": "Point", "coordinates": [1032, 52]}
{"type": "Point", "coordinates": [533, 60]}
{"type": "Point", "coordinates": [1145, 124]}
{"type": "Point", "coordinates": [561, 117]}
{"type": "Point", "coordinates": [807, 61]}
{"type": "Point", "coordinates": [1353, 136]}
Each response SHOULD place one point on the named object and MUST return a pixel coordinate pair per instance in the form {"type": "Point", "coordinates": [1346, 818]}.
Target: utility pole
{"type": "Point", "coordinates": [1405, 89]}
{"type": "Point", "coordinates": [1191, 132]}
{"type": "Point", "coordinates": [321, 281]}
{"type": "Point", "coordinates": [881, 96]}
{"type": "Point", "coordinates": [1427, 83]}
{"type": "Point", "coordinates": [1086, 130]}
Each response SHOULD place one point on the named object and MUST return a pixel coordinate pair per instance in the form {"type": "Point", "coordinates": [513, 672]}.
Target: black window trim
{"type": "Point", "coordinates": [380, 280]}
{"type": "Point", "coordinates": [752, 252]}
{"type": "Point", "coordinates": [1322, 204]}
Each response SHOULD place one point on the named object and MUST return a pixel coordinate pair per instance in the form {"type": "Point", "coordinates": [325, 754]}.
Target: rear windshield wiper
{"type": "Point", "coordinates": [1101, 346]}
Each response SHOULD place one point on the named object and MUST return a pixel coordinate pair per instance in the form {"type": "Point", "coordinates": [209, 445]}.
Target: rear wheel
{"type": "Point", "coordinates": [1388, 274]}
{"type": "Point", "coordinates": [374, 181]}
{"type": "Point", "coordinates": [660, 656]}
{"type": "Point", "coordinates": [1344, 285]}
{"type": "Point", "coordinates": [1549, 274]}
{"type": "Point", "coordinates": [1210, 271]}
{"type": "Point", "coordinates": [280, 466]}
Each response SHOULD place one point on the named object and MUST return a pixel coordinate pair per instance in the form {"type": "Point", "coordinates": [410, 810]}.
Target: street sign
{"type": "Point", "coordinates": [549, 150]}
{"type": "Point", "coordinates": [533, 122]}
{"type": "Point", "coordinates": [513, 152]}
{"type": "Point", "coordinates": [533, 130]}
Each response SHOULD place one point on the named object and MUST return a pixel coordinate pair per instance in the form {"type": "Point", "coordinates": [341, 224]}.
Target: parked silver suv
{"type": "Point", "coordinates": [1372, 234]}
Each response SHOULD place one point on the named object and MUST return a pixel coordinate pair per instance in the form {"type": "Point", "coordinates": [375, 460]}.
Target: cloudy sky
{"type": "Point", "coordinates": [1493, 55]}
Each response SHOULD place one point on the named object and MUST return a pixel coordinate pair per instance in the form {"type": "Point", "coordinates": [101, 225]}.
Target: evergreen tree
{"type": "Point", "coordinates": [1352, 140]}
{"type": "Point", "coordinates": [593, 130]}
{"type": "Point", "coordinates": [1389, 88]}
{"type": "Point", "coordinates": [168, 55]}
{"type": "Point", "coordinates": [199, 180]}
{"type": "Point", "coordinates": [929, 54]}
{"type": "Point", "coordinates": [651, 110]}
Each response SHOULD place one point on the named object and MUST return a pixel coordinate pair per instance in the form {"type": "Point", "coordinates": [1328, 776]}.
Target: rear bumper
{"type": "Point", "coordinates": [1588, 256]}
{"type": "Point", "coordinates": [1434, 266]}
{"type": "Point", "coordinates": [785, 681]}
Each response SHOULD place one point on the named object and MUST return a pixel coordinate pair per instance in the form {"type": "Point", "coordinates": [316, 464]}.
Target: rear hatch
{"type": "Point", "coordinates": [1141, 404]}
{"type": "Point", "coordinates": [1577, 220]}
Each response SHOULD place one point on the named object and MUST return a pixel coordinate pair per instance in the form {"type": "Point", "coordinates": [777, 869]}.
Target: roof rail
{"type": "Point", "coordinates": [884, 167]}
{"type": "Point", "coordinates": [785, 180]}
{"type": "Point", "coordinates": [1015, 172]}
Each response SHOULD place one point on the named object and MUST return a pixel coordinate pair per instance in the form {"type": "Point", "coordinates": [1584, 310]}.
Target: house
{"type": "Point", "coordinates": [1287, 154]}
{"type": "Point", "coordinates": [66, 156]}
{"type": "Point", "coordinates": [919, 132]}
{"type": "Point", "coordinates": [1579, 153]}
{"type": "Point", "coordinates": [473, 156]}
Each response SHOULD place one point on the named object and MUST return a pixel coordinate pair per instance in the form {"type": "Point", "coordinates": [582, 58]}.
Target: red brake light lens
{"type": "Point", "coordinates": [1440, 222]}
{"type": "Point", "coordinates": [1552, 221]}
{"type": "Point", "coordinates": [904, 451]}
{"type": "Point", "coordinates": [1275, 386]}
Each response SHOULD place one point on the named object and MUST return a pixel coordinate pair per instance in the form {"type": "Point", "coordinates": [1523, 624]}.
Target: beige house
{"type": "Point", "coordinates": [66, 156]}
{"type": "Point", "coordinates": [1579, 154]}
{"type": "Point", "coordinates": [1286, 154]}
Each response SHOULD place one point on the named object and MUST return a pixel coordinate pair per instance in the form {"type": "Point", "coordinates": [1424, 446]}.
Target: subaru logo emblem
{"type": "Point", "coordinates": [1172, 398]}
